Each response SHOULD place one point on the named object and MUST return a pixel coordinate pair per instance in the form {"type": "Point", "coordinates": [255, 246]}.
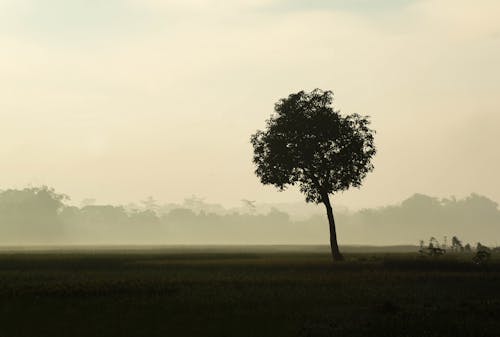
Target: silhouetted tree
{"type": "Point", "coordinates": [480, 247]}
{"type": "Point", "coordinates": [483, 254]}
{"type": "Point", "coordinates": [308, 143]}
{"type": "Point", "coordinates": [456, 245]}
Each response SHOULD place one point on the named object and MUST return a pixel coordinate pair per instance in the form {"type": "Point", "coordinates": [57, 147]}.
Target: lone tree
{"type": "Point", "coordinates": [309, 144]}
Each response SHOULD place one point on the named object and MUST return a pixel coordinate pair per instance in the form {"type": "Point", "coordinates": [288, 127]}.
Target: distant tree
{"type": "Point", "coordinates": [456, 245]}
{"type": "Point", "coordinates": [31, 214]}
{"type": "Point", "coordinates": [309, 144]}
{"type": "Point", "coordinates": [480, 247]}
{"type": "Point", "coordinates": [195, 203]}
{"type": "Point", "coordinates": [433, 249]}
{"type": "Point", "coordinates": [150, 204]}
{"type": "Point", "coordinates": [483, 254]}
{"type": "Point", "coordinates": [249, 205]}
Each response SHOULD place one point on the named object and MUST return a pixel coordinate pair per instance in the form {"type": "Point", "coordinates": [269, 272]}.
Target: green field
{"type": "Point", "coordinates": [244, 292]}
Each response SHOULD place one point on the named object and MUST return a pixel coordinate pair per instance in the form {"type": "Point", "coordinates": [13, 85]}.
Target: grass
{"type": "Point", "coordinates": [249, 293]}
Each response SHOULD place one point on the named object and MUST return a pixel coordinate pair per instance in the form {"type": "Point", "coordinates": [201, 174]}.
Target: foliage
{"type": "Point", "coordinates": [42, 215]}
{"type": "Point", "coordinates": [483, 254]}
{"type": "Point", "coordinates": [32, 213]}
{"type": "Point", "coordinates": [434, 249]}
{"type": "Point", "coordinates": [308, 143]}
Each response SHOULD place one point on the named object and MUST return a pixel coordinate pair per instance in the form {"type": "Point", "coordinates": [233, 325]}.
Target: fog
{"type": "Point", "coordinates": [113, 101]}
{"type": "Point", "coordinates": [41, 216]}
{"type": "Point", "coordinates": [118, 100]}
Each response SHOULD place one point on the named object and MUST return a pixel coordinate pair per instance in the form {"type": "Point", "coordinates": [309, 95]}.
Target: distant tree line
{"type": "Point", "coordinates": [475, 218]}
{"type": "Point", "coordinates": [40, 215]}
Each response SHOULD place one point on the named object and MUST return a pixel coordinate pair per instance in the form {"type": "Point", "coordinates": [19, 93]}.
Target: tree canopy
{"type": "Point", "coordinates": [308, 143]}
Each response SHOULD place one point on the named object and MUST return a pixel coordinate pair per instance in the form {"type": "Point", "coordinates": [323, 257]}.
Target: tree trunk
{"type": "Point", "coordinates": [337, 256]}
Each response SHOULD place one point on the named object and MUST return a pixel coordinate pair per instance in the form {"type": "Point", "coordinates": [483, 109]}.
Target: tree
{"type": "Point", "coordinates": [31, 214]}
{"type": "Point", "coordinates": [456, 244]}
{"type": "Point", "coordinates": [309, 144]}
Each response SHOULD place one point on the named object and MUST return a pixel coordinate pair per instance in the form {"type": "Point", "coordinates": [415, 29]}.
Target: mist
{"type": "Point", "coordinates": [41, 216]}
{"type": "Point", "coordinates": [127, 98]}
{"type": "Point", "coordinates": [249, 168]}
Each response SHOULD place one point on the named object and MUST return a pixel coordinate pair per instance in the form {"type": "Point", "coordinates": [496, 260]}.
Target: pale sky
{"type": "Point", "coordinates": [121, 99]}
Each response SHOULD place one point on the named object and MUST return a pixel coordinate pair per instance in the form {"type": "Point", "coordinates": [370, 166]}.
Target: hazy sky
{"type": "Point", "coordinates": [121, 99]}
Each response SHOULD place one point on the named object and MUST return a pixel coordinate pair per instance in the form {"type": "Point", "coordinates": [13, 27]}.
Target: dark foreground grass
{"type": "Point", "coordinates": [260, 293]}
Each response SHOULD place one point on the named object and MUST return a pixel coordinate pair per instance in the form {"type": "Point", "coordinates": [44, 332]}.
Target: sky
{"type": "Point", "coordinates": [121, 99]}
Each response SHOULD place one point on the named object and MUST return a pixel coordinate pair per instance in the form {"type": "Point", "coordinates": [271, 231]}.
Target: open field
{"type": "Point", "coordinates": [252, 291]}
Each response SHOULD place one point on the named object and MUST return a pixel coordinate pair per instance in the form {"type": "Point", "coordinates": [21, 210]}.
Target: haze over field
{"type": "Point", "coordinates": [40, 216]}
{"type": "Point", "coordinates": [117, 100]}
{"type": "Point", "coordinates": [249, 168]}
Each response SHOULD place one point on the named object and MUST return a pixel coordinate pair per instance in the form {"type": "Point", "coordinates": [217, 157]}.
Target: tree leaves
{"type": "Point", "coordinates": [308, 143]}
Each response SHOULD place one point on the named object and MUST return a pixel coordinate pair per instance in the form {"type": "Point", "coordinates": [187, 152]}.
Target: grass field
{"type": "Point", "coordinates": [244, 292]}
